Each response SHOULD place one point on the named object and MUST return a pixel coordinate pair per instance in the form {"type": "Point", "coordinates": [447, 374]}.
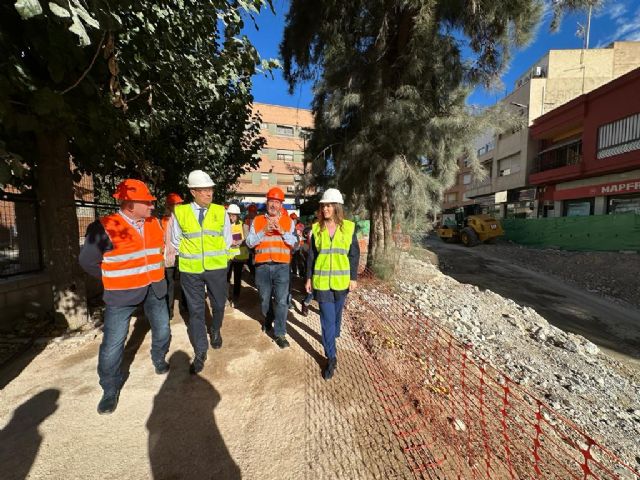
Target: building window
{"type": "Point", "coordinates": [284, 130]}
{"type": "Point", "coordinates": [273, 178]}
{"type": "Point", "coordinates": [486, 148]}
{"type": "Point", "coordinates": [264, 176]}
{"type": "Point", "coordinates": [509, 166]}
{"type": "Point", "coordinates": [578, 208]}
{"type": "Point", "coordinates": [285, 155]}
{"type": "Point", "coordinates": [619, 137]}
{"type": "Point", "coordinates": [255, 178]}
{"type": "Point", "coordinates": [451, 197]}
{"type": "Point", "coordinates": [466, 179]}
{"type": "Point", "coordinates": [624, 204]}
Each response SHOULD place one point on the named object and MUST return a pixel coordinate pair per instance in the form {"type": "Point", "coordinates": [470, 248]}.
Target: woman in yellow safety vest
{"type": "Point", "coordinates": [332, 269]}
{"type": "Point", "coordinates": [238, 253]}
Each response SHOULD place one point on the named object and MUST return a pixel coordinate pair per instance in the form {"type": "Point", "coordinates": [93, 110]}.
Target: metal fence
{"type": "Point", "coordinates": [20, 249]}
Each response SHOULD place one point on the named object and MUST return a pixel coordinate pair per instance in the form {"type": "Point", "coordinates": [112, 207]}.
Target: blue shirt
{"type": "Point", "coordinates": [254, 238]}
{"type": "Point", "coordinates": [176, 231]}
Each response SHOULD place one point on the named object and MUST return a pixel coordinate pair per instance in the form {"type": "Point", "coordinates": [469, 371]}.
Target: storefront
{"type": "Point", "coordinates": [600, 199]}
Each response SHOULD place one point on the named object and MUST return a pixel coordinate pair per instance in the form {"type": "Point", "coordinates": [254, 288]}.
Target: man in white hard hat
{"type": "Point", "coordinates": [201, 233]}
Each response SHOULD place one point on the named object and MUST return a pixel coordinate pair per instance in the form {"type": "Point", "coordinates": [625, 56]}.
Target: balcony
{"type": "Point", "coordinates": [558, 156]}
{"type": "Point", "coordinates": [559, 162]}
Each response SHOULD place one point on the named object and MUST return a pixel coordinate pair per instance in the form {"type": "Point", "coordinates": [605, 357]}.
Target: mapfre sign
{"type": "Point", "coordinates": [605, 189]}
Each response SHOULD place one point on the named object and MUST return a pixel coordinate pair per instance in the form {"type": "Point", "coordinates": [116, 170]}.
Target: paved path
{"type": "Point", "coordinates": [255, 412]}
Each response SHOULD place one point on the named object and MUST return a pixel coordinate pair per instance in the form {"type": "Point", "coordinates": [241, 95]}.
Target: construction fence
{"type": "Point", "coordinates": [596, 232]}
{"type": "Point", "coordinates": [457, 417]}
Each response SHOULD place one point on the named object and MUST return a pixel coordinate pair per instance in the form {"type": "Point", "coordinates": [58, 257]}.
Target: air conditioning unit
{"type": "Point", "coordinates": [538, 72]}
{"type": "Point", "coordinates": [291, 189]}
{"type": "Point", "coordinates": [297, 178]}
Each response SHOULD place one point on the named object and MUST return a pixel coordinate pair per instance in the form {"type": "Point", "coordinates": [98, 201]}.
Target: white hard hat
{"type": "Point", "coordinates": [332, 195]}
{"type": "Point", "coordinates": [234, 209]}
{"type": "Point", "coordinates": [199, 179]}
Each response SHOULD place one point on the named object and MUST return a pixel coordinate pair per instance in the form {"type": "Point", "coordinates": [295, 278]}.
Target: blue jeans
{"type": "Point", "coordinates": [115, 331]}
{"type": "Point", "coordinates": [272, 280]}
{"type": "Point", "coordinates": [331, 322]}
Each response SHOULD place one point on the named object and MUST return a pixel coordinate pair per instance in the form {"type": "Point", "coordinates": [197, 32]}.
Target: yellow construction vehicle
{"type": "Point", "coordinates": [470, 228]}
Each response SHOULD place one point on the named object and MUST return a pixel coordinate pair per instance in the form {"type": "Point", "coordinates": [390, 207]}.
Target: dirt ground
{"type": "Point", "coordinates": [255, 411]}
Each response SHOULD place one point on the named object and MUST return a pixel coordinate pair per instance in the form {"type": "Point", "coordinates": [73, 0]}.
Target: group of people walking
{"type": "Point", "coordinates": [138, 258]}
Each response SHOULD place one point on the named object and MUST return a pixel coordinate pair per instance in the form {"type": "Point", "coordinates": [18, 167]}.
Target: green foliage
{"type": "Point", "coordinates": [147, 89]}
{"type": "Point", "coordinates": [391, 83]}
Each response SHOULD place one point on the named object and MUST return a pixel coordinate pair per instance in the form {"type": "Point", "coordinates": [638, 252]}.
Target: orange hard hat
{"type": "Point", "coordinates": [174, 199]}
{"type": "Point", "coordinates": [252, 208]}
{"type": "Point", "coordinates": [133, 190]}
{"type": "Point", "coordinates": [275, 194]}
{"type": "Point", "coordinates": [293, 216]}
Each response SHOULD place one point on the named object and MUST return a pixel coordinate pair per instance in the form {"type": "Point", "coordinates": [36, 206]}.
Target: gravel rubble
{"type": "Point", "coordinates": [565, 370]}
{"type": "Point", "coordinates": [613, 275]}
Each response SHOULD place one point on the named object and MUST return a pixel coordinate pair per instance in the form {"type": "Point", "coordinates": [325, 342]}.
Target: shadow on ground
{"type": "Point", "coordinates": [20, 440]}
{"type": "Point", "coordinates": [184, 440]}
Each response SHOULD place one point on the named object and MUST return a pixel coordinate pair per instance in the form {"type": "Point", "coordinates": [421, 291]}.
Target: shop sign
{"type": "Point", "coordinates": [605, 189]}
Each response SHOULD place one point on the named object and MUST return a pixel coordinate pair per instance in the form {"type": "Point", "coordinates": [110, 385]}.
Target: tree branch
{"type": "Point", "coordinates": [84, 74]}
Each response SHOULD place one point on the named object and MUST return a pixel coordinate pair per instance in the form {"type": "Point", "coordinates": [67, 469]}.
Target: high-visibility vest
{"type": "Point", "coordinates": [201, 247]}
{"type": "Point", "coordinates": [332, 270]}
{"type": "Point", "coordinates": [241, 253]}
{"type": "Point", "coordinates": [136, 260]}
{"type": "Point", "coordinates": [272, 247]}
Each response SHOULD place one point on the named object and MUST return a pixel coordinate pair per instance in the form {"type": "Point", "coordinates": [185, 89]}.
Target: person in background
{"type": "Point", "coordinates": [332, 270]}
{"type": "Point", "coordinates": [304, 255]}
{"type": "Point", "coordinates": [252, 211]}
{"type": "Point", "coordinates": [238, 253]}
{"type": "Point", "coordinates": [202, 235]}
{"type": "Point", "coordinates": [125, 251]}
{"type": "Point", "coordinates": [170, 269]}
{"type": "Point", "coordinates": [272, 237]}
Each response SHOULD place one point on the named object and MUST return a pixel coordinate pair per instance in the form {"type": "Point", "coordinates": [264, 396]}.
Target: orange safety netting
{"type": "Point", "coordinates": [454, 414]}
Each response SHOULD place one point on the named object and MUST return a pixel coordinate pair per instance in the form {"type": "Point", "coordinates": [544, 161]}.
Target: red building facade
{"type": "Point", "coordinates": [589, 160]}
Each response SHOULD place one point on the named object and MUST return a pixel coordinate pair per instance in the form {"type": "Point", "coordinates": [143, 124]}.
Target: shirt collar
{"type": "Point", "coordinates": [131, 221]}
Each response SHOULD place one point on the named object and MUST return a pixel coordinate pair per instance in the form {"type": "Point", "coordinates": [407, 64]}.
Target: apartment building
{"type": "Point", "coordinates": [557, 78]}
{"type": "Point", "coordinates": [589, 163]}
{"type": "Point", "coordinates": [286, 131]}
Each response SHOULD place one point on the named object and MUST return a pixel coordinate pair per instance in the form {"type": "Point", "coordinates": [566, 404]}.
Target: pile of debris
{"type": "Point", "coordinates": [566, 371]}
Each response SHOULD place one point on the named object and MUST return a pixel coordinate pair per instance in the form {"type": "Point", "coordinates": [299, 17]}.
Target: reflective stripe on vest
{"type": "Point", "coordinates": [136, 260]}
{"type": "Point", "coordinates": [332, 270]}
{"type": "Point", "coordinates": [241, 253]}
{"type": "Point", "coordinates": [201, 247]}
{"type": "Point", "coordinates": [272, 248]}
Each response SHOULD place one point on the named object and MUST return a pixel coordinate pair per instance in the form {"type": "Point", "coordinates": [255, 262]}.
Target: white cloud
{"type": "Point", "coordinates": [628, 28]}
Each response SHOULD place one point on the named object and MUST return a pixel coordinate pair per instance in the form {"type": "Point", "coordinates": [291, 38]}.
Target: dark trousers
{"type": "Point", "coordinates": [272, 280]}
{"type": "Point", "coordinates": [193, 287]}
{"type": "Point", "coordinates": [331, 322]}
{"type": "Point", "coordinates": [236, 269]}
{"type": "Point", "coordinates": [115, 331]}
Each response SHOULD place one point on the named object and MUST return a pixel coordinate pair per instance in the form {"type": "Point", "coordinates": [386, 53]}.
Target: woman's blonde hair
{"type": "Point", "coordinates": [338, 215]}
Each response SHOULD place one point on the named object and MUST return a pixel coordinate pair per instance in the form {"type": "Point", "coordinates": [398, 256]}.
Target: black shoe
{"type": "Point", "coordinates": [267, 326]}
{"type": "Point", "coordinates": [282, 342]}
{"type": "Point", "coordinates": [162, 368]}
{"type": "Point", "coordinates": [305, 309]}
{"type": "Point", "coordinates": [108, 403]}
{"type": "Point", "coordinates": [216, 339]}
{"type": "Point", "coordinates": [198, 363]}
{"type": "Point", "coordinates": [328, 372]}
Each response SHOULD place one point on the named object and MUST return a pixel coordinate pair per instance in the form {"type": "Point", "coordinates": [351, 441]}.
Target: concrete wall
{"type": "Point", "coordinates": [24, 295]}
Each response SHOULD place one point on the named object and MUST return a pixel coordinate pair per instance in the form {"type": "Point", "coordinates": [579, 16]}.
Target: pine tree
{"type": "Point", "coordinates": [391, 80]}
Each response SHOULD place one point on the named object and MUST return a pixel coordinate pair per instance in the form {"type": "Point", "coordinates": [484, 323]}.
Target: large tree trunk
{"type": "Point", "coordinates": [381, 231]}
{"type": "Point", "coordinates": [60, 236]}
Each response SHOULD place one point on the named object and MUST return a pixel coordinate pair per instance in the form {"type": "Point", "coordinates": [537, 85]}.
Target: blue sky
{"type": "Point", "coordinates": [615, 20]}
